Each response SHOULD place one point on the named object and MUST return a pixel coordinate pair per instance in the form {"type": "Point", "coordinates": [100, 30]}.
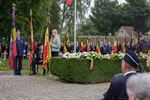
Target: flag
{"type": "Point", "coordinates": [47, 50]}
{"type": "Point", "coordinates": [31, 52]}
{"type": "Point", "coordinates": [69, 2]}
{"type": "Point", "coordinates": [123, 47]}
{"type": "Point", "coordinates": [115, 47]}
{"type": "Point", "coordinates": [10, 59]}
{"type": "Point", "coordinates": [68, 39]}
{"type": "Point", "coordinates": [65, 49]}
{"type": "Point", "coordinates": [98, 49]}
{"type": "Point", "coordinates": [12, 48]}
{"type": "Point", "coordinates": [88, 44]}
{"type": "Point", "coordinates": [81, 47]}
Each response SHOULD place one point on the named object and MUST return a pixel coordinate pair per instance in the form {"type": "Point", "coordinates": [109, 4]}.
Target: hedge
{"type": "Point", "coordinates": [77, 70]}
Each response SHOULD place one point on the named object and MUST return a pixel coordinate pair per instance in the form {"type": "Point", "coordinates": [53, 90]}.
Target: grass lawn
{"type": "Point", "coordinates": [4, 66]}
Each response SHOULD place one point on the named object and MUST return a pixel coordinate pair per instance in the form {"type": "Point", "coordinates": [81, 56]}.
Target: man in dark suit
{"type": "Point", "coordinates": [20, 43]}
{"type": "Point", "coordinates": [117, 89]}
{"type": "Point", "coordinates": [38, 57]}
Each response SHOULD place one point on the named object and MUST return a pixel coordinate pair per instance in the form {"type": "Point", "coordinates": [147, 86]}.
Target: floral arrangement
{"type": "Point", "coordinates": [93, 55]}
{"type": "Point", "coordinates": [143, 55]}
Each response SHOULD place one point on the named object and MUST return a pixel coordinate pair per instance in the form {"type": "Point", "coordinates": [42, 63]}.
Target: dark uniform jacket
{"type": "Point", "coordinates": [117, 90]}
{"type": "Point", "coordinates": [20, 43]}
{"type": "Point", "coordinates": [38, 54]}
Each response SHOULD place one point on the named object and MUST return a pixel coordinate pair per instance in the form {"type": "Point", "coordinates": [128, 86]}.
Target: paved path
{"type": "Point", "coordinates": [38, 88]}
{"type": "Point", "coordinates": [11, 72]}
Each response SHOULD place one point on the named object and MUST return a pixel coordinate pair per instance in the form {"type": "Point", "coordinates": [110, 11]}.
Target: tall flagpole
{"type": "Point", "coordinates": [75, 17]}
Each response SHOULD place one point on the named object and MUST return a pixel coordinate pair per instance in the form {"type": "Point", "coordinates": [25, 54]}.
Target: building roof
{"type": "Point", "coordinates": [128, 29]}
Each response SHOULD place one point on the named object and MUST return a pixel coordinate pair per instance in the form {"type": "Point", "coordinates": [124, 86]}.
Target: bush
{"type": "Point", "coordinates": [77, 70]}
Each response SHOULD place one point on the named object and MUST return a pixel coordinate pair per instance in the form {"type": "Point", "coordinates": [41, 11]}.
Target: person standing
{"type": "Point", "coordinates": [20, 44]}
{"type": "Point", "coordinates": [55, 43]}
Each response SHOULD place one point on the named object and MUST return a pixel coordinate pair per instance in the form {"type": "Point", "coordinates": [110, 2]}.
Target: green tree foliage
{"type": "Point", "coordinates": [137, 7]}
{"type": "Point", "coordinates": [108, 15]}
{"type": "Point", "coordinates": [105, 16]}
{"type": "Point", "coordinates": [67, 15]}
{"type": "Point", "coordinates": [88, 28]}
{"type": "Point", "coordinates": [22, 19]}
{"type": "Point", "coordinates": [55, 15]}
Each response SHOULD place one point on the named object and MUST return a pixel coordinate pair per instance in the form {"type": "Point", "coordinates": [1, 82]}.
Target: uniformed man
{"type": "Point", "coordinates": [20, 44]}
{"type": "Point", "coordinates": [117, 89]}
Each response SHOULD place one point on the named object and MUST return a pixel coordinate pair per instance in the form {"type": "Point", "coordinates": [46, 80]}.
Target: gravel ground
{"type": "Point", "coordinates": [39, 88]}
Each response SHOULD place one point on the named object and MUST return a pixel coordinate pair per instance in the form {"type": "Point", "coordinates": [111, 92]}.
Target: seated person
{"type": "Point", "coordinates": [38, 57]}
{"type": "Point", "coordinates": [117, 89]}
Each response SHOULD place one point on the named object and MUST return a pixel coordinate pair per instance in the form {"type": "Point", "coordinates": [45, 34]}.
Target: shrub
{"type": "Point", "coordinates": [77, 70]}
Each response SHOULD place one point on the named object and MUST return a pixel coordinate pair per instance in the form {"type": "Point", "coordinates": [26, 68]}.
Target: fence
{"type": "Point", "coordinates": [96, 39]}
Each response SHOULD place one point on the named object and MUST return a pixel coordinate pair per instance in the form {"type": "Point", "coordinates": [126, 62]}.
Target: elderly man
{"type": "Point", "coordinates": [138, 87]}
{"type": "Point", "coordinates": [117, 90]}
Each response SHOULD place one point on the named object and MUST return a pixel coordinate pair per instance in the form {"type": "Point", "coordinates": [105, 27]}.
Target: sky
{"type": "Point", "coordinates": [92, 4]}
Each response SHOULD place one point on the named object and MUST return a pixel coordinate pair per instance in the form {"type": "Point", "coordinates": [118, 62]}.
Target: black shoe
{"type": "Point", "coordinates": [17, 74]}
{"type": "Point", "coordinates": [33, 73]}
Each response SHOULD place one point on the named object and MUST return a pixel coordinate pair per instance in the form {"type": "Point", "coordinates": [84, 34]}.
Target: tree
{"type": "Point", "coordinates": [88, 28]}
{"type": "Point", "coordinates": [67, 14]}
{"type": "Point", "coordinates": [138, 7]}
{"type": "Point", "coordinates": [108, 15]}
{"type": "Point", "coordinates": [39, 8]}
{"type": "Point", "coordinates": [55, 15]}
{"type": "Point", "coordinates": [105, 16]}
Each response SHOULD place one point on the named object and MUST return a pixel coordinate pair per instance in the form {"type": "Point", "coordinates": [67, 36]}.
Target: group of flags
{"type": "Point", "coordinates": [115, 46]}
{"type": "Point", "coordinates": [13, 48]}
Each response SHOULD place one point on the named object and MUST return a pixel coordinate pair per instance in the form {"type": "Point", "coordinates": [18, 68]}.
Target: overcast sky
{"type": "Point", "coordinates": [92, 4]}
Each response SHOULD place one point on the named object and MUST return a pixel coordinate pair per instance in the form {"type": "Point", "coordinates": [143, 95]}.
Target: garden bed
{"type": "Point", "coordinates": [76, 69]}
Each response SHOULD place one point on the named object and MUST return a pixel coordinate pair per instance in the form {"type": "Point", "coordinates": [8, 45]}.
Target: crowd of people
{"type": "Point", "coordinates": [107, 47]}
{"type": "Point", "coordinates": [103, 47]}
{"type": "Point", "coordinates": [128, 85]}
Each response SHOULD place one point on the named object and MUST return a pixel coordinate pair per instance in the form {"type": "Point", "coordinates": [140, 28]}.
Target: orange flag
{"type": "Point", "coordinates": [123, 47]}
{"type": "Point", "coordinates": [98, 49]}
{"type": "Point", "coordinates": [115, 47]}
{"type": "Point", "coordinates": [47, 49]}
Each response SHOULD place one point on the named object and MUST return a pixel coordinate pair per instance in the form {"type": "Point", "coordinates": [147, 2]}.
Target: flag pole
{"type": "Point", "coordinates": [75, 17]}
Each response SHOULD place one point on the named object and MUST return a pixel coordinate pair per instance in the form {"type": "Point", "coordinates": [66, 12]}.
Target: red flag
{"type": "Point", "coordinates": [81, 47]}
{"type": "Point", "coordinates": [115, 47]}
{"type": "Point", "coordinates": [10, 59]}
{"type": "Point", "coordinates": [47, 50]}
{"type": "Point", "coordinates": [31, 52]}
{"type": "Point", "coordinates": [69, 2]}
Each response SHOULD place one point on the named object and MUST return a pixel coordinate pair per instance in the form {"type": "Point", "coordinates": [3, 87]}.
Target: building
{"type": "Point", "coordinates": [126, 33]}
